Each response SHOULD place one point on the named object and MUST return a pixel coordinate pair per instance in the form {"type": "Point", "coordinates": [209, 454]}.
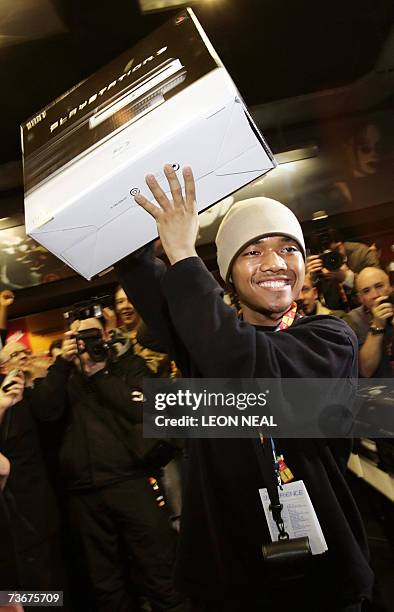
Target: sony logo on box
{"type": "Point", "coordinates": [167, 100]}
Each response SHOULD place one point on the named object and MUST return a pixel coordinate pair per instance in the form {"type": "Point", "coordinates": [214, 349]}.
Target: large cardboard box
{"type": "Point", "coordinates": [167, 100]}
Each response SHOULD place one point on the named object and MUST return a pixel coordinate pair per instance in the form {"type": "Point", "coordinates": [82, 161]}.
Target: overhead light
{"type": "Point", "coordinates": [286, 157]}
{"type": "Point", "coordinates": [149, 6]}
{"type": "Point", "coordinates": [4, 219]}
{"type": "Point", "coordinates": [319, 215]}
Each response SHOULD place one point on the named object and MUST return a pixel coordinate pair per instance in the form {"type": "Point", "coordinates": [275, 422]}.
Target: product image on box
{"type": "Point", "coordinates": [68, 146]}
{"type": "Point", "coordinates": [168, 99]}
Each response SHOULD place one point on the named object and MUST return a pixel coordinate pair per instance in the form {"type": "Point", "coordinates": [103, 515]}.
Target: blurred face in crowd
{"type": "Point", "coordinates": [372, 283]}
{"type": "Point", "coordinates": [364, 151]}
{"type": "Point", "coordinates": [268, 276]}
{"type": "Point", "coordinates": [308, 295]}
{"type": "Point", "coordinates": [15, 355]}
{"type": "Point", "coordinates": [125, 310]}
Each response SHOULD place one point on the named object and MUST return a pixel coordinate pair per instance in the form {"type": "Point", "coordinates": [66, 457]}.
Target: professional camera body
{"type": "Point", "coordinates": [98, 348]}
{"type": "Point", "coordinates": [322, 237]}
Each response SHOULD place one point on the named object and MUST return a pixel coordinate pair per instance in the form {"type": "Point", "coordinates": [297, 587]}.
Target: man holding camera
{"type": "Point", "coordinates": [337, 269]}
{"type": "Point", "coordinates": [261, 254]}
{"type": "Point", "coordinates": [114, 496]}
{"type": "Point", "coordinates": [373, 323]}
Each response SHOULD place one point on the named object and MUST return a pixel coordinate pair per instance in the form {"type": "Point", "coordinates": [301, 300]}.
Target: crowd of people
{"type": "Point", "coordinates": [90, 507]}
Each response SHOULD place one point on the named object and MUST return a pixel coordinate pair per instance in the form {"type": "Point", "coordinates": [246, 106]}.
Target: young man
{"type": "Point", "coordinates": [261, 254]}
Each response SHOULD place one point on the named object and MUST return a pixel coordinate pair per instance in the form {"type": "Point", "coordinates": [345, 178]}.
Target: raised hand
{"type": "Point", "coordinates": [6, 298]}
{"type": "Point", "coordinates": [177, 220]}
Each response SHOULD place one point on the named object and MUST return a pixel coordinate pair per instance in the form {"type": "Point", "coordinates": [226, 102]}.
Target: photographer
{"type": "Point", "coordinates": [261, 254]}
{"type": "Point", "coordinates": [113, 501]}
{"type": "Point", "coordinates": [373, 323]}
{"type": "Point", "coordinates": [32, 514]}
{"type": "Point", "coordinates": [337, 267]}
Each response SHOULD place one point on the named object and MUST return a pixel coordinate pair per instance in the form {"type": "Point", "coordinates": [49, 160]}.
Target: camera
{"type": "Point", "coordinates": [321, 239]}
{"type": "Point", "coordinates": [96, 346]}
{"type": "Point", "coordinates": [89, 309]}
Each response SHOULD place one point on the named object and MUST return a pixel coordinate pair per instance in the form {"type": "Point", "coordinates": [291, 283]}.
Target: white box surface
{"type": "Point", "coordinates": [167, 100]}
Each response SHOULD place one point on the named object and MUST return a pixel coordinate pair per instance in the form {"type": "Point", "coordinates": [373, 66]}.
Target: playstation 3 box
{"type": "Point", "coordinates": [167, 100]}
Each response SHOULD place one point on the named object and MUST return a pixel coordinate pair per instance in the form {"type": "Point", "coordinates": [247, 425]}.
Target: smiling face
{"type": "Point", "coordinates": [125, 310]}
{"type": "Point", "coordinates": [268, 275]}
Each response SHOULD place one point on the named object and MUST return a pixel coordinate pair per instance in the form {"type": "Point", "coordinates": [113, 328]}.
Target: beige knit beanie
{"type": "Point", "coordinates": [249, 220]}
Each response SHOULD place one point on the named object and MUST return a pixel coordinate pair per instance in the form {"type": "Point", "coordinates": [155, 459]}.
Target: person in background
{"type": "Point", "coordinates": [309, 300]}
{"type": "Point", "coordinates": [29, 499]}
{"type": "Point", "coordinates": [338, 287]}
{"type": "Point", "coordinates": [15, 355]}
{"type": "Point", "coordinates": [372, 322]}
{"type": "Point", "coordinates": [142, 340]}
{"type": "Point", "coordinates": [9, 578]}
{"type": "Point", "coordinates": [111, 484]}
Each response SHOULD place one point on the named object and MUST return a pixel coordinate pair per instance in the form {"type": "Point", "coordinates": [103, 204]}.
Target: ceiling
{"type": "Point", "coordinates": [295, 64]}
{"type": "Point", "coordinates": [273, 50]}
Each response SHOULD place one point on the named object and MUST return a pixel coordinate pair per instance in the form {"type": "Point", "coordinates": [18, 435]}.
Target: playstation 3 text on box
{"type": "Point", "coordinates": [167, 100]}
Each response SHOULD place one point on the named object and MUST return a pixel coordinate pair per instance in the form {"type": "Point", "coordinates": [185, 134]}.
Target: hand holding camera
{"type": "Point", "coordinates": [11, 390]}
{"type": "Point", "coordinates": [327, 265]}
{"type": "Point", "coordinates": [110, 318]}
{"type": "Point", "coordinates": [383, 311]}
{"type": "Point", "coordinates": [69, 347]}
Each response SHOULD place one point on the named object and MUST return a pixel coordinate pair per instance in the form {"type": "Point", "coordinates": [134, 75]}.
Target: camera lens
{"type": "Point", "coordinates": [332, 260]}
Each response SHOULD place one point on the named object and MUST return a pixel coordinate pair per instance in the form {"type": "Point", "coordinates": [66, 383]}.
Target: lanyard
{"type": "Point", "coordinates": [288, 318]}
{"type": "Point", "coordinates": [269, 465]}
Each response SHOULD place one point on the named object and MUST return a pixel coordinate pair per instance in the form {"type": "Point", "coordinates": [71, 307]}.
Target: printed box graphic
{"type": "Point", "coordinates": [169, 99]}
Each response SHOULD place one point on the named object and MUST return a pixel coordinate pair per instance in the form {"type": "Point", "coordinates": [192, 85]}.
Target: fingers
{"type": "Point", "coordinates": [152, 209]}
{"type": "Point", "coordinates": [109, 314]}
{"type": "Point", "coordinates": [174, 184]}
{"type": "Point", "coordinates": [15, 389]}
{"type": "Point", "coordinates": [178, 200]}
{"type": "Point", "coordinates": [69, 347]}
{"type": "Point", "coordinates": [313, 264]}
{"type": "Point", "coordinates": [190, 189]}
{"type": "Point", "coordinates": [157, 192]}
{"type": "Point", "coordinates": [383, 311]}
